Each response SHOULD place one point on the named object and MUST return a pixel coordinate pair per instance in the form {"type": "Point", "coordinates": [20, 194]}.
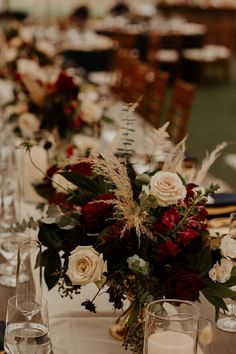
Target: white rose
{"type": "Point", "coordinates": [28, 124]}
{"type": "Point", "coordinates": [86, 266]}
{"type": "Point", "coordinates": [221, 272]}
{"type": "Point", "coordinates": [90, 112]}
{"type": "Point", "coordinates": [167, 187]}
{"type": "Point", "coordinates": [60, 183]}
{"type": "Point", "coordinates": [228, 247]}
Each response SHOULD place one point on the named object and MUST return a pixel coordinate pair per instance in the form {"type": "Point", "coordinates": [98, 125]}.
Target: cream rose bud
{"type": "Point", "coordinates": [167, 187]}
{"type": "Point", "coordinates": [28, 124]}
{"type": "Point", "coordinates": [86, 266]}
{"type": "Point", "coordinates": [221, 272]}
{"type": "Point", "coordinates": [91, 112]}
{"type": "Point", "coordinates": [228, 247]}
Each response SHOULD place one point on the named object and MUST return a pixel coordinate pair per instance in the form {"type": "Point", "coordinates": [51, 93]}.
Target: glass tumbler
{"type": "Point", "coordinates": [27, 332]}
{"type": "Point", "coordinates": [171, 327]}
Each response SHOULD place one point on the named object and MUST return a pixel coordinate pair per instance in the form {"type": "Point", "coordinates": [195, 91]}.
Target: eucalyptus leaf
{"type": "Point", "coordinates": [53, 211]}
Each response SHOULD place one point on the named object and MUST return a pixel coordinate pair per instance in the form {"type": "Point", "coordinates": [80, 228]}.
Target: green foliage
{"type": "Point", "coordinates": [81, 181]}
{"type": "Point", "coordinates": [51, 262]}
{"type": "Point", "coordinates": [201, 261]}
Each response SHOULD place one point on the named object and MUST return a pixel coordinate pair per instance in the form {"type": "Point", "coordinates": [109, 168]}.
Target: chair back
{"type": "Point", "coordinates": [179, 109]}
{"type": "Point", "coordinates": [154, 100]}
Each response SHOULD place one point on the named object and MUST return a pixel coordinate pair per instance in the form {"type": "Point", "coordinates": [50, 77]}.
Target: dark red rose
{"type": "Point", "coordinates": [97, 214]}
{"type": "Point", "coordinates": [65, 84]}
{"type": "Point", "coordinates": [183, 283]}
{"type": "Point", "coordinates": [185, 237]}
{"type": "Point", "coordinates": [84, 168]}
{"type": "Point", "coordinates": [171, 217]}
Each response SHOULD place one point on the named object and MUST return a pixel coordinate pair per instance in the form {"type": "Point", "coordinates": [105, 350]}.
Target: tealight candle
{"type": "Point", "coordinates": [169, 342]}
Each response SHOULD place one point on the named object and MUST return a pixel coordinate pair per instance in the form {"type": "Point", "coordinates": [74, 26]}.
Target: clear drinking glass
{"type": "Point", "coordinates": [227, 319]}
{"type": "Point", "coordinates": [29, 268]}
{"type": "Point", "coordinates": [27, 331]}
{"type": "Point", "coordinates": [171, 327]}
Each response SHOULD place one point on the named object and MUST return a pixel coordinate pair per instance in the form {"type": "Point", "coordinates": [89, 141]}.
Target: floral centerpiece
{"type": "Point", "coordinates": [22, 41]}
{"type": "Point", "coordinates": [144, 237]}
{"type": "Point", "coordinates": [51, 100]}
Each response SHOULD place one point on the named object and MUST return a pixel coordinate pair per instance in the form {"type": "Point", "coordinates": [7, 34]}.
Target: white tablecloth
{"type": "Point", "coordinates": [75, 330]}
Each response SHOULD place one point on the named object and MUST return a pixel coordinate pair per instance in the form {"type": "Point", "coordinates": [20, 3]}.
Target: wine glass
{"type": "Point", "coordinates": [27, 328]}
{"type": "Point", "coordinates": [29, 268]}
{"type": "Point", "coordinates": [227, 320]}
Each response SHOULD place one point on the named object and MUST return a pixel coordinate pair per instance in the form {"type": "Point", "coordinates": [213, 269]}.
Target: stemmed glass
{"type": "Point", "coordinates": [227, 320]}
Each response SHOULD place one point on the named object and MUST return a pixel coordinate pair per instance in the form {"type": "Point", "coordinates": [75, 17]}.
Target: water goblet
{"type": "Point", "coordinates": [27, 328]}
{"type": "Point", "coordinates": [171, 327]}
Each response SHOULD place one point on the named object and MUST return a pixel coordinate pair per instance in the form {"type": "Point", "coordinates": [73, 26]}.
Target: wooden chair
{"type": "Point", "coordinates": [123, 62]}
{"type": "Point", "coordinates": [164, 52]}
{"type": "Point", "coordinates": [214, 58]}
{"type": "Point", "coordinates": [179, 109]}
{"type": "Point", "coordinates": [155, 96]}
{"type": "Point", "coordinates": [140, 76]}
